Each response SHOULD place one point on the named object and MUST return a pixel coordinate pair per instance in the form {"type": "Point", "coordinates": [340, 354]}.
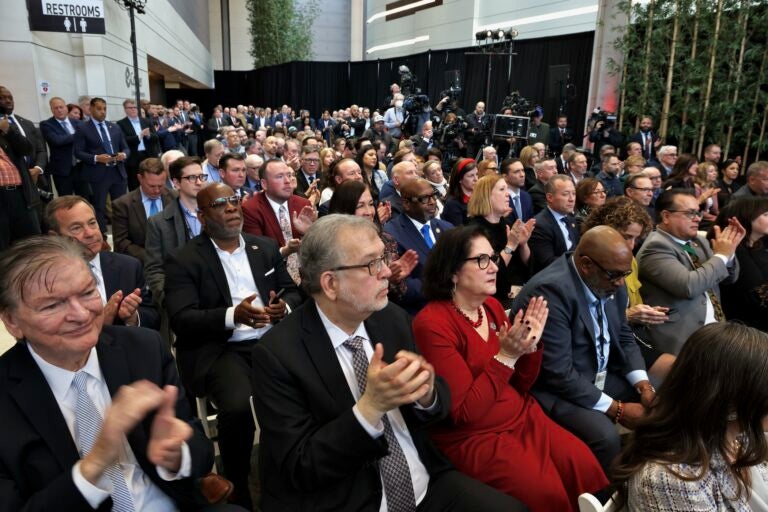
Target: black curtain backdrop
{"type": "Point", "coordinates": [333, 85]}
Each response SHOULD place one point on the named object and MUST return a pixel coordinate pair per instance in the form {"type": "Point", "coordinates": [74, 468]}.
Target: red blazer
{"type": "Point", "coordinates": [259, 218]}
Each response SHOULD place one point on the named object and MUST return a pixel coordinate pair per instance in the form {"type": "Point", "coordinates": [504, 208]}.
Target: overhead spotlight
{"type": "Point", "coordinates": [483, 35]}
{"type": "Point", "coordinates": [498, 34]}
{"type": "Point", "coordinates": [512, 33]}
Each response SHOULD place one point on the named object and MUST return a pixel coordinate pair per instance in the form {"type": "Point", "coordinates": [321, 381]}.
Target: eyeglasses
{"type": "Point", "coordinates": [642, 189]}
{"type": "Point", "coordinates": [425, 199]}
{"type": "Point", "coordinates": [374, 266]}
{"type": "Point", "coordinates": [221, 202]}
{"type": "Point", "coordinates": [611, 275]}
{"type": "Point", "coordinates": [483, 260]}
{"type": "Point", "coordinates": [691, 214]}
{"type": "Point", "coordinates": [195, 177]}
{"type": "Point", "coordinates": [597, 192]}
{"type": "Point", "coordinates": [311, 160]}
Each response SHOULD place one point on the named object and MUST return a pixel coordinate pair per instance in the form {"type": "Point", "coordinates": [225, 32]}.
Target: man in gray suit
{"type": "Point", "coordinates": [593, 374]}
{"type": "Point", "coordinates": [176, 224]}
{"type": "Point", "coordinates": [681, 271]}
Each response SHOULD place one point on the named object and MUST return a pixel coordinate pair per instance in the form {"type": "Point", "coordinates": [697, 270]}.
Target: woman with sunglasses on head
{"type": "Point", "coordinates": [354, 198]}
{"type": "Point", "coordinates": [496, 432]}
{"type": "Point", "coordinates": [488, 208]}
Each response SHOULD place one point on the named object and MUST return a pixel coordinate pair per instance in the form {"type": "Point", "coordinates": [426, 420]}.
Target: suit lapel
{"type": "Point", "coordinates": [257, 263]}
{"type": "Point", "coordinates": [109, 271]}
{"type": "Point", "coordinates": [417, 241]}
{"type": "Point", "coordinates": [208, 254]}
{"type": "Point", "coordinates": [581, 303]}
{"type": "Point", "coordinates": [36, 401]}
{"type": "Point", "coordinates": [320, 350]}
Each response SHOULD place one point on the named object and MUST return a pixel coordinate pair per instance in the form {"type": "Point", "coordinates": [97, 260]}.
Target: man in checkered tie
{"type": "Point", "coordinates": [342, 398]}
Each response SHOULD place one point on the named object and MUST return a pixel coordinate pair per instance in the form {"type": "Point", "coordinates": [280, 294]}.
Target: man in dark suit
{"type": "Point", "coordinates": [343, 399]}
{"type": "Point", "coordinates": [560, 135]}
{"type": "Point", "coordinates": [402, 173]}
{"type": "Point", "coordinates": [555, 231]}
{"type": "Point", "coordinates": [141, 139]}
{"type": "Point", "coordinates": [545, 169]}
{"type": "Point", "coordinates": [326, 125]}
{"type": "Point", "coordinates": [221, 297]}
{"type": "Point", "coordinates": [19, 198]}
{"type": "Point", "coordinates": [101, 147]}
{"type": "Point", "coordinates": [216, 122]}
{"type": "Point", "coordinates": [520, 201]}
{"type": "Point", "coordinates": [38, 160]}
{"type": "Point", "coordinates": [131, 211]}
{"type": "Point", "coordinates": [416, 231]}
{"type": "Point", "coordinates": [58, 131]}
{"type": "Point", "coordinates": [309, 170]}
{"type": "Point", "coordinates": [648, 139]}
{"type": "Point", "coordinates": [93, 417]}
{"type": "Point", "coordinates": [120, 278]}
{"type": "Point", "coordinates": [592, 371]}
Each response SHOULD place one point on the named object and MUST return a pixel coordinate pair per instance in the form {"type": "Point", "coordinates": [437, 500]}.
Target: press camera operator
{"type": "Point", "coordinates": [449, 104]}
{"type": "Point", "coordinates": [450, 138]}
{"type": "Point", "coordinates": [604, 130]}
{"type": "Point", "coordinates": [479, 124]}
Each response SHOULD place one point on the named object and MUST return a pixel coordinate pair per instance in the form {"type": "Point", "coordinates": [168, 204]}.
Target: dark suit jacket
{"type": "Point", "coordinates": [123, 272]}
{"type": "Point", "coordinates": [570, 353]}
{"type": "Point", "coordinates": [302, 184]}
{"type": "Point", "coordinates": [151, 143]}
{"type": "Point", "coordinates": [213, 130]}
{"type": "Point", "coordinates": [37, 451]}
{"type": "Point", "coordinates": [39, 156]}
{"type": "Point", "coordinates": [88, 145]}
{"type": "Point", "coordinates": [315, 454]}
{"type": "Point", "coordinates": [60, 146]}
{"type": "Point", "coordinates": [260, 219]}
{"type": "Point", "coordinates": [547, 242]}
{"type": "Point", "coordinates": [538, 196]}
{"type": "Point", "coordinates": [526, 205]}
{"type": "Point", "coordinates": [404, 232]}
{"type": "Point", "coordinates": [638, 137]}
{"type": "Point", "coordinates": [557, 141]}
{"type": "Point", "coordinates": [129, 222]}
{"type": "Point", "coordinates": [16, 146]}
{"type": "Point", "coordinates": [197, 297]}
{"type": "Point", "coordinates": [166, 232]}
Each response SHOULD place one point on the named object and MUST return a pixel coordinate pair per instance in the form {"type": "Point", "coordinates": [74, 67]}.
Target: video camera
{"type": "Point", "coordinates": [520, 106]}
{"type": "Point", "coordinates": [599, 115]}
{"type": "Point", "coordinates": [407, 81]}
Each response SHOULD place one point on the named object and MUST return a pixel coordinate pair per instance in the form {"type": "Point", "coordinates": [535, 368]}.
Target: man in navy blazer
{"type": "Point", "coordinates": [120, 278]}
{"type": "Point", "coordinates": [101, 147]}
{"type": "Point", "coordinates": [593, 372]}
{"type": "Point", "coordinates": [58, 131]}
{"type": "Point", "coordinates": [520, 201]}
{"type": "Point", "coordinates": [648, 139]}
{"type": "Point", "coordinates": [411, 230]}
{"type": "Point", "coordinates": [556, 231]}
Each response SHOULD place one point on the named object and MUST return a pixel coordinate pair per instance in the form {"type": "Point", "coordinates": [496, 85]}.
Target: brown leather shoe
{"type": "Point", "coordinates": [215, 488]}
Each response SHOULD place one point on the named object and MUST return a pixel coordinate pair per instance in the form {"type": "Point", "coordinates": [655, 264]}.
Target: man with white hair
{"type": "Point", "coordinates": [252, 165]}
{"type": "Point", "coordinates": [213, 150]}
{"type": "Point", "coordinates": [394, 117]}
{"type": "Point", "coordinates": [489, 153]}
{"type": "Point", "coordinates": [667, 156]}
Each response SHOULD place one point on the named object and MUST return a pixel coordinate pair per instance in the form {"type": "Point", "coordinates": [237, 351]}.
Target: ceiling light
{"type": "Point", "coordinates": [543, 17]}
{"type": "Point", "coordinates": [397, 44]}
{"type": "Point", "coordinates": [408, 7]}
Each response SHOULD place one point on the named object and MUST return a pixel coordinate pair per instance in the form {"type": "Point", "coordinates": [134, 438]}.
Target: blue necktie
{"type": "Point", "coordinates": [518, 208]}
{"type": "Point", "coordinates": [105, 140]}
{"type": "Point", "coordinates": [154, 209]}
{"type": "Point", "coordinates": [87, 426]}
{"type": "Point", "coordinates": [427, 237]}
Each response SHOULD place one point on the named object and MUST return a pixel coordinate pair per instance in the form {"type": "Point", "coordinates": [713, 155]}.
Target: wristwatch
{"type": "Point", "coordinates": [508, 250]}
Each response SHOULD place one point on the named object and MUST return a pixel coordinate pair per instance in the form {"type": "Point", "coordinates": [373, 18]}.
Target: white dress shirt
{"type": "Point", "coordinates": [418, 225]}
{"type": "Point", "coordinates": [95, 265]}
{"type": "Point", "coordinates": [146, 495]}
{"type": "Point", "coordinates": [419, 474]}
{"type": "Point", "coordinates": [241, 284]}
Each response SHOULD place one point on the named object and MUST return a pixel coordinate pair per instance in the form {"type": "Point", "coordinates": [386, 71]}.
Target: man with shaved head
{"type": "Point", "coordinates": [401, 173]}
{"type": "Point", "coordinates": [221, 295]}
{"type": "Point", "coordinates": [593, 373]}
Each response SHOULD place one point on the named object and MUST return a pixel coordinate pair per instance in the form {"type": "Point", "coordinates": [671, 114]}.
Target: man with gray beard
{"type": "Point", "coordinates": [223, 291]}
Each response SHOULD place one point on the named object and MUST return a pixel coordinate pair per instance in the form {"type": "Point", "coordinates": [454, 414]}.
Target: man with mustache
{"type": "Point", "coordinates": [221, 295]}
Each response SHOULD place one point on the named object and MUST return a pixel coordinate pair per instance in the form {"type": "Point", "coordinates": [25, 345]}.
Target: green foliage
{"type": "Point", "coordinates": [702, 51]}
{"type": "Point", "coordinates": [281, 30]}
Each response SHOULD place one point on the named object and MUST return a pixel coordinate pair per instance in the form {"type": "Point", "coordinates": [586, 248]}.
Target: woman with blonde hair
{"type": "Point", "coordinates": [529, 155]}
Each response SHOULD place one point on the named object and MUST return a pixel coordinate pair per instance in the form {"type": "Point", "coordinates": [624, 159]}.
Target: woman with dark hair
{"type": "Point", "coordinates": [702, 446]}
{"type": "Point", "coordinates": [683, 172]}
{"type": "Point", "coordinates": [354, 198]}
{"type": "Point", "coordinates": [460, 187]}
{"type": "Point", "coordinates": [368, 160]}
{"type": "Point", "coordinates": [590, 194]}
{"type": "Point", "coordinates": [496, 432]}
{"type": "Point", "coordinates": [633, 223]}
{"type": "Point", "coordinates": [488, 208]}
{"type": "Point", "coordinates": [728, 184]}
{"type": "Point", "coordinates": [747, 298]}
{"type": "Point", "coordinates": [74, 112]}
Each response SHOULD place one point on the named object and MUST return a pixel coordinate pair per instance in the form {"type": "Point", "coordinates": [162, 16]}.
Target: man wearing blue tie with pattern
{"type": "Point", "coordinates": [101, 147]}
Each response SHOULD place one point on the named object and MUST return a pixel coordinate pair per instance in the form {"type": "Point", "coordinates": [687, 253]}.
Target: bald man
{"type": "Point", "coordinates": [402, 173]}
{"type": "Point", "coordinates": [593, 374]}
{"type": "Point", "coordinates": [221, 296]}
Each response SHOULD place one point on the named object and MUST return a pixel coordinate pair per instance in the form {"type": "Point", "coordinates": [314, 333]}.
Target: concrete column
{"type": "Point", "coordinates": [357, 30]}
{"type": "Point", "coordinates": [604, 87]}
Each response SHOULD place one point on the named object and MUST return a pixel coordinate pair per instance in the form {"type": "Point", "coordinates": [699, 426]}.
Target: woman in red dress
{"type": "Point", "coordinates": [497, 432]}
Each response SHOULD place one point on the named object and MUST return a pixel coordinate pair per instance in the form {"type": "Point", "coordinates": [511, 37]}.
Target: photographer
{"type": "Point", "coordinates": [449, 104]}
{"type": "Point", "coordinates": [479, 126]}
{"type": "Point", "coordinates": [604, 131]}
{"type": "Point", "coordinates": [450, 139]}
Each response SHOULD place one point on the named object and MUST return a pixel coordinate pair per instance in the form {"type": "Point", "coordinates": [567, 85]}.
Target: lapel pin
{"type": "Point", "coordinates": [437, 231]}
{"type": "Point", "coordinates": [255, 247]}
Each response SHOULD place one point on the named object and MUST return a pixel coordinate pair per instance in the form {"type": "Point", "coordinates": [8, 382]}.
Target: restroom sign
{"type": "Point", "coordinates": [68, 16]}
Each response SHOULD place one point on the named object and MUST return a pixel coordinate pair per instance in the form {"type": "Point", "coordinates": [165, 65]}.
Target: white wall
{"type": "Point", "coordinates": [453, 24]}
{"type": "Point", "coordinates": [95, 65]}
